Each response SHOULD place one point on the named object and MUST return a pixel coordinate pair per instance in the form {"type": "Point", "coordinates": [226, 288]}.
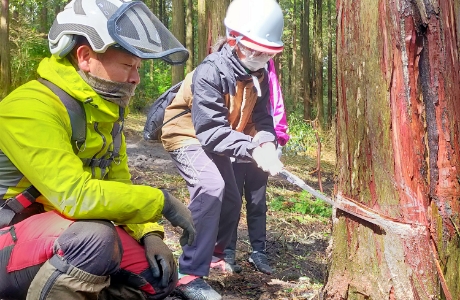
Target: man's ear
{"type": "Point", "coordinates": [84, 54]}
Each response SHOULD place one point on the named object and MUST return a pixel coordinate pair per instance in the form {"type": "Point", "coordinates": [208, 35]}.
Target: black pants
{"type": "Point", "coordinates": [252, 182]}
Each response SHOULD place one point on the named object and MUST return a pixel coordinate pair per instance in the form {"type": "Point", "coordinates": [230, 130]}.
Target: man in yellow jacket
{"type": "Point", "coordinates": [87, 232]}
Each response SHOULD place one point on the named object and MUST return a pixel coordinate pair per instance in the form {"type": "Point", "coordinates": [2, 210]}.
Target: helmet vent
{"type": "Point", "coordinates": [106, 7]}
{"type": "Point", "coordinates": [91, 34]}
{"type": "Point", "coordinates": [78, 8]}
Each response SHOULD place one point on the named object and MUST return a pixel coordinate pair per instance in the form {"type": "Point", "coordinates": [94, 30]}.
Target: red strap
{"type": "Point", "coordinates": [23, 200]}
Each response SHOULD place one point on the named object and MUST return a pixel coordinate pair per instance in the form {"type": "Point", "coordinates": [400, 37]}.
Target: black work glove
{"type": "Point", "coordinates": [161, 260]}
{"type": "Point", "coordinates": [179, 215]}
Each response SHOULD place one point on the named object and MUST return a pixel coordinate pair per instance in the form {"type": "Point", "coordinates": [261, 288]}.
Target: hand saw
{"type": "Point", "coordinates": [300, 183]}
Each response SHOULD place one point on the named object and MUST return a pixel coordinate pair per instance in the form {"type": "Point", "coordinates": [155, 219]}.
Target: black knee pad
{"type": "Point", "coordinates": [92, 246]}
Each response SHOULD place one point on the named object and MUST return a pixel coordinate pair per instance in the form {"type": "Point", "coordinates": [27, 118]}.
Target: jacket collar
{"type": "Point", "coordinates": [241, 73]}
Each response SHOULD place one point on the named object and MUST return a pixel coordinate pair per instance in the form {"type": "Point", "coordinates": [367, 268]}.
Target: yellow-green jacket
{"type": "Point", "coordinates": [35, 149]}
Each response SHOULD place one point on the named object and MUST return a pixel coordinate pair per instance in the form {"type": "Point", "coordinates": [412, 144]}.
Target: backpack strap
{"type": "Point", "coordinates": [76, 114]}
{"type": "Point", "coordinates": [13, 206]}
{"type": "Point", "coordinates": [112, 156]}
{"type": "Point", "coordinates": [186, 111]}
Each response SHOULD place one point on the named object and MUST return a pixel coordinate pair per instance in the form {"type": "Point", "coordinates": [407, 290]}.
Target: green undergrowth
{"type": "Point", "coordinates": [302, 203]}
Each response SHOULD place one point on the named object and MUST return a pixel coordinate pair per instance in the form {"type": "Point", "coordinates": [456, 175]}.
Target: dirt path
{"type": "Point", "coordinates": [296, 248]}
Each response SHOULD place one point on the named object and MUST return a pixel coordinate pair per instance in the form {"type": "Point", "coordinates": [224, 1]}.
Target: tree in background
{"type": "Point", "coordinates": [211, 16]}
{"type": "Point", "coordinates": [189, 35]}
{"type": "Point", "coordinates": [398, 151]}
{"type": "Point", "coordinates": [5, 69]}
{"type": "Point", "coordinates": [306, 60]}
{"type": "Point", "coordinates": [178, 29]}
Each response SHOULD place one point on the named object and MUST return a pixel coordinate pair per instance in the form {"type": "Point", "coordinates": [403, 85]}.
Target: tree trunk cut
{"type": "Point", "coordinates": [398, 150]}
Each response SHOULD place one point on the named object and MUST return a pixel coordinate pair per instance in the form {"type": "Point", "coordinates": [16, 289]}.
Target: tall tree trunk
{"type": "Point", "coordinates": [288, 78]}
{"type": "Point", "coordinates": [189, 43]}
{"type": "Point", "coordinates": [178, 29]}
{"type": "Point", "coordinates": [318, 79]}
{"type": "Point", "coordinates": [217, 11]}
{"type": "Point", "coordinates": [398, 151]}
{"type": "Point", "coordinates": [329, 66]}
{"type": "Point", "coordinates": [293, 69]}
{"type": "Point", "coordinates": [203, 30]}
{"type": "Point", "coordinates": [5, 68]}
{"type": "Point", "coordinates": [306, 61]}
{"type": "Point", "coordinates": [44, 17]}
{"type": "Point", "coordinates": [312, 57]}
{"type": "Point", "coordinates": [160, 14]}
{"type": "Point", "coordinates": [154, 8]}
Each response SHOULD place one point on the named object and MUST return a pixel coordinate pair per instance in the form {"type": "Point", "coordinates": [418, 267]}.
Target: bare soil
{"type": "Point", "coordinates": [296, 244]}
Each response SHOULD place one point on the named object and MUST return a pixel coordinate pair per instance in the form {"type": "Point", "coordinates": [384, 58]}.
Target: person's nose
{"type": "Point", "coordinates": [134, 77]}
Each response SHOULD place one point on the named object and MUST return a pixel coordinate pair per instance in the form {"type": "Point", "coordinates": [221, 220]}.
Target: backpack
{"type": "Point", "coordinates": [156, 114]}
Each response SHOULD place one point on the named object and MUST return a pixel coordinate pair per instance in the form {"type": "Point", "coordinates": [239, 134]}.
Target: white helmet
{"type": "Point", "coordinates": [129, 24]}
{"type": "Point", "coordinates": [258, 24]}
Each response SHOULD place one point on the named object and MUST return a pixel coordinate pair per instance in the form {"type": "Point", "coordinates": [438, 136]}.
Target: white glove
{"type": "Point", "coordinates": [267, 159]}
{"type": "Point", "coordinates": [279, 151]}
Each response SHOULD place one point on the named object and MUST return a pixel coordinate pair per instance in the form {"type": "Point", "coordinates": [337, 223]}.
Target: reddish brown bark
{"type": "Point", "coordinates": [398, 150]}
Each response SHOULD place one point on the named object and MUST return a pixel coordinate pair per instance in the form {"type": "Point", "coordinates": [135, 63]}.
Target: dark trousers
{"type": "Point", "coordinates": [215, 203]}
{"type": "Point", "coordinates": [94, 246]}
{"type": "Point", "coordinates": [252, 182]}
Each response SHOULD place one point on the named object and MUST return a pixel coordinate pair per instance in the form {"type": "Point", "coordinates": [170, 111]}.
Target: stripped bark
{"type": "Point", "coordinates": [398, 150]}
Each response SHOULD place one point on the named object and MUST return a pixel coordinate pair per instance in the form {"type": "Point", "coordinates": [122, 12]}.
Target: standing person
{"type": "Point", "coordinates": [68, 248]}
{"type": "Point", "coordinates": [253, 182]}
{"type": "Point", "coordinates": [228, 95]}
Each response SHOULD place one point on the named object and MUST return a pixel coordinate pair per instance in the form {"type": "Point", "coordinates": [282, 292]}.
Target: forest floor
{"type": "Point", "coordinates": [297, 244]}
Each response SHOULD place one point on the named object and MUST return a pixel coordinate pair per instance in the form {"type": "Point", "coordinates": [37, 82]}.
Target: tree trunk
{"type": "Point", "coordinates": [5, 68]}
{"type": "Point", "coordinates": [44, 17]}
{"type": "Point", "coordinates": [203, 29]}
{"type": "Point", "coordinates": [189, 43]}
{"type": "Point", "coordinates": [398, 151]}
{"type": "Point", "coordinates": [318, 79]}
{"type": "Point", "coordinates": [293, 68]}
{"type": "Point", "coordinates": [217, 11]}
{"type": "Point", "coordinates": [329, 66]}
{"type": "Point", "coordinates": [178, 29]}
{"type": "Point", "coordinates": [306, 61]}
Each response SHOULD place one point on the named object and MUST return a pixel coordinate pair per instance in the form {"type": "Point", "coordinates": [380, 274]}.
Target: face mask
{"type": "Point", "coordinates": [254, 60]}
{"type": "Point", "coordinates": [254, 63]}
